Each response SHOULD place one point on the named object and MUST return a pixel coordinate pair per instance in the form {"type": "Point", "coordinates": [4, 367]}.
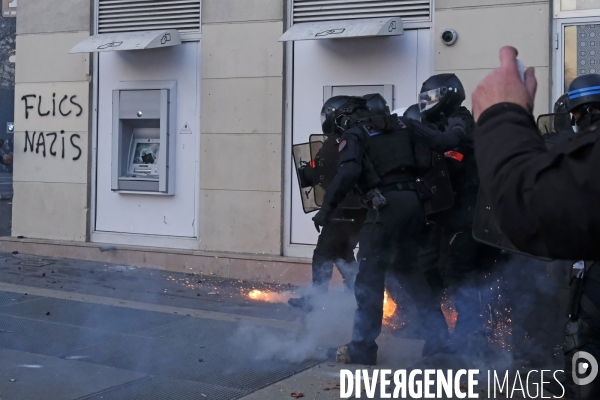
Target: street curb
{"type": "Point", "coordinates": [250, 267]}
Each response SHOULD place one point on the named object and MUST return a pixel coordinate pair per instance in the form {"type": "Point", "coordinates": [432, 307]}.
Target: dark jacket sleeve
{"type": "Point", "coordinates": [546, 201]}
{"type": "Point", "coordinates": [435, 139]}
{"type": "Point", "coordinates": [351, 155]}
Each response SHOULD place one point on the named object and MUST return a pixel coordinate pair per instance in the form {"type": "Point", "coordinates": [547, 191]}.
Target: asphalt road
{"type": "Point", "coordinates": [72, 329]}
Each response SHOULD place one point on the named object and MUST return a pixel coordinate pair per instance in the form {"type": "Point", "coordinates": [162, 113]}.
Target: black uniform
{"type": "Point", "coordinates": [450, 234]}
{"type": "Point", "coordinates": [546, 201]}
{"type": "Point", "coordinates": [336, 245]}
{"type": "Point", "coordinates": [383, 158]}
{"type": "Point", "coordinates": [338, 239]}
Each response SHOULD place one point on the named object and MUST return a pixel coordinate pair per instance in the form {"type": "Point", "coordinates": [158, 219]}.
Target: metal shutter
{"type": "Point", "coordinates": [329, 10]}
{"type": "Point", "coordinates": [148, 15]}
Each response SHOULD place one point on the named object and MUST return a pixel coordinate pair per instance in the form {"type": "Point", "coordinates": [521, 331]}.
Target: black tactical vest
{"type": "Point", "coordinates": [392, 154]}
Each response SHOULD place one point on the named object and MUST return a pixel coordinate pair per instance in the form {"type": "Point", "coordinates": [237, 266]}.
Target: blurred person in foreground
{"type": "Point", "coordinates": [546, 200]}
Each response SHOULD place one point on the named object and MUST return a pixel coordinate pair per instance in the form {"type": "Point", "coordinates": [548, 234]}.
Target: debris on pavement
{"type": "Point", "coordinates": [297, 395]}
{"type": "Point", "coordinates": [12, 380]}
{"type": "Point", "coordinates": [48, 313]}
{"type": "Point", "coordinates": [76, 357]}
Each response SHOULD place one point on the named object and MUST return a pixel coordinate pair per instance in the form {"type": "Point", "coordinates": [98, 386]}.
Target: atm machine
{"type": "Point", "coordinates": [143, 138]}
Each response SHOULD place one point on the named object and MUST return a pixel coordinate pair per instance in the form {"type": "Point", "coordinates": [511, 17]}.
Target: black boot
{"type": "Point", "coordinates": [352, 354]}
{"type": "Point", "coordinates": [303, 303]}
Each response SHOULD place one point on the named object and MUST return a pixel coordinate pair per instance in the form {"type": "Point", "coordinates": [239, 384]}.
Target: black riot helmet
{"type": "Point", "coordinates": [329, 111]}
{"type": "Point", "coordinates": [377, 103]}
{"type": "Point", "coordinates": [584, 94]}
{"type": "Point", "coordinates": [337, 111]}
{"type": "Point", "coordinates": [561, 105]}
{"type": "Point", "coordinates": [440, 95]}
{"type": "Point", "coordinates": [413, 112]}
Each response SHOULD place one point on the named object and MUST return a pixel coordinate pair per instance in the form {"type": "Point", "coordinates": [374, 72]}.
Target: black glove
{"type": "Point", "coordinates": [467, 118]}
{"type": "Point", "coordinates": [457, 124]}
{"type": "Point", "coordinates": [320, 218]}
{"type": "Point", "coordinates": [305, 175]}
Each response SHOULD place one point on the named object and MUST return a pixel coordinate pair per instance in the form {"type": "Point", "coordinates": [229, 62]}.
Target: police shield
{"type": "Point", "coordinates": [302, 162]}
{"type": "Point", "coordinates": [554, 123]}
{"type": "Point", "coordinates": [437, 179]}
{"type": "Point", "coordinates": [325, 161]}
{"type": "Point", "coordinates": [486, 229]}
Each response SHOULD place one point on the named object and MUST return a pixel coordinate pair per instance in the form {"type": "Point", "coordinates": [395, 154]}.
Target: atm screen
{"type": "Point", "coordinates": [146, 153]}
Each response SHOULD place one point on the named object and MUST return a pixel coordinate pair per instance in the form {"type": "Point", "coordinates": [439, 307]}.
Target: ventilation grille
{"type": "Point", "coordinates": [148, 15]}
{"type": "Point", "coordinates": [331, 10]}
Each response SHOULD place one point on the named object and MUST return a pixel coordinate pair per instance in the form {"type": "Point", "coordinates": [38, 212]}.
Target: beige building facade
{"type": "Point", "coordinates": [243, 99]}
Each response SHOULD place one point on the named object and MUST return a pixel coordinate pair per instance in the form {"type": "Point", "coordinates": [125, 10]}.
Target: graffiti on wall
{"type": "Point", "coordinates": [64, 108]}
{"type": "Point", "coordinates": [45, 143]}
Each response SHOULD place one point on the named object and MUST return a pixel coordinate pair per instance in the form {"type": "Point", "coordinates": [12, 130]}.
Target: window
{"type": "Point", "coordinates": [330, 10]}
{"type": "Point", "coordinates": [574, 5]}
{"type": "Point", "coordinates": [146, 15]}
{"type": "Point", "coordinates": [581, 51]}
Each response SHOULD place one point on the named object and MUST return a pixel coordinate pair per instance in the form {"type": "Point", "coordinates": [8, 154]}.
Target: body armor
{"type": "Point", "coordinates": [391, 152]}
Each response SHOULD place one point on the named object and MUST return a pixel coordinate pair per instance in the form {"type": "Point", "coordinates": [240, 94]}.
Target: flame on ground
{"type": "Point", "coordinates": [269, 297]}
{"type": "Point", "coordinates": [449, 312]}
{"type": "Point", "coordinates": [389, 311]}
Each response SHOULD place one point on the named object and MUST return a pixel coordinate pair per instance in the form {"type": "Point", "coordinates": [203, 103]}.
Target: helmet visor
{"type": "Point", "coordinates": [428, 100]}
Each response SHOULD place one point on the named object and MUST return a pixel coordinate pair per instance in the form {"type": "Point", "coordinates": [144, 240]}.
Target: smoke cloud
{"type": "Point", "coordinates": [329, 324]}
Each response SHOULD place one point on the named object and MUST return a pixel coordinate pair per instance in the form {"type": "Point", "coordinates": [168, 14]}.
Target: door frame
{"type": "Point", "coordinates": [174, 242]}
{"type": "Point", "coordinates": [426, 59]}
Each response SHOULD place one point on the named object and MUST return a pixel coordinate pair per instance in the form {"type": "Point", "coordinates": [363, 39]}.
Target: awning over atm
{"type": "Point", "coordinates": [128, 41]}
{"type": "Point", "coordinates": [344, 29]}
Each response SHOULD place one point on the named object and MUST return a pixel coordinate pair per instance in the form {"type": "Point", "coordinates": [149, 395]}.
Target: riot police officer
{"type": "Point", "coordinates": [376, 156]}
{"type": "Point", "coordinates": [582, 332]}
{"type": "Point", "coordinates": [450, 230]}
{"type": "Point", "coordinates": [337, 240]}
